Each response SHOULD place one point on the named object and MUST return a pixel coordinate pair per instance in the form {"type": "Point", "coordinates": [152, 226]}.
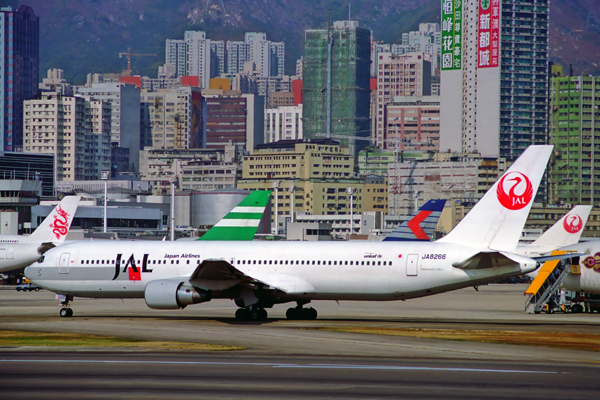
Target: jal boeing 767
{"type": "Point", "coordinates": [258, 275]}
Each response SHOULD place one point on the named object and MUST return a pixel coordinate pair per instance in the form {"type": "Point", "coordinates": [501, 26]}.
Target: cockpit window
{"type": "Point", "coordinates": [41, 260]}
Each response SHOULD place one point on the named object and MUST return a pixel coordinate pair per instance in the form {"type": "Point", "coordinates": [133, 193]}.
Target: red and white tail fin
{"type": "Point", "coordinates": [498, 218]}
{"type": "Point", "coordinates": [55, 227]}
{"type": "Point", "coordinates": [566, 231]}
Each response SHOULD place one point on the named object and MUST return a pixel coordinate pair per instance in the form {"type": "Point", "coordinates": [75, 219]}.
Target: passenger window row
{"type": "Point", "coordinates": [312, 262]}
{"type": "Point", "coordinates": [138, 262]}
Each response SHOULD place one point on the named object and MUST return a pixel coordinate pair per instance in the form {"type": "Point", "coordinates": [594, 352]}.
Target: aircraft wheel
{"type": "Point", "coordinates": [310, 314]}
{"type": "Point", "coordinates": [66, 312]}
{"type": "Point", "coordinates": [240, 314]}
{"type": "Point", "coordinates": [292, 313]}
{"type": "Point", "coordinates": [254, 315]}
{"type": "Point", "coordinates": [262, 314]}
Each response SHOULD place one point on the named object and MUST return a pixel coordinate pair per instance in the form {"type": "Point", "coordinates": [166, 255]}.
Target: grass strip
{"type": "Point", "coordinates": [21, 338]}
{"type": "Point", "coordinates": [563, 340]}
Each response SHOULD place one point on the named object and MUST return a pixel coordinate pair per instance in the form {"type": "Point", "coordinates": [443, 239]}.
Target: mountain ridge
{"type": "Point", "coordinates": [86, 36]}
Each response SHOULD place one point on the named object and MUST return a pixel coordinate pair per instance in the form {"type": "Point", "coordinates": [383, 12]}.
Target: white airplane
{"type": "Point", "coordinates": [18, 251]}
{"type": "Point", "coordinates": [565, 232]}
{"type": "Point", "coordinates": [258, 275]}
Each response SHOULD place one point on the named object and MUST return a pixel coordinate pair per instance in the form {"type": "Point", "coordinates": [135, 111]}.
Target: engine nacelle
{"type": "Point", "coordinates": [166, 294]}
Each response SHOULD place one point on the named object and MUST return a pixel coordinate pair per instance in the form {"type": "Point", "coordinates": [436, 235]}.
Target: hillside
{"type": "Point", "coordinates": [82, 36]}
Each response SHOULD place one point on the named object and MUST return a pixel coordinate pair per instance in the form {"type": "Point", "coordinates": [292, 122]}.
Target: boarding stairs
{"type": "Point", "coordinates": [546, 285]}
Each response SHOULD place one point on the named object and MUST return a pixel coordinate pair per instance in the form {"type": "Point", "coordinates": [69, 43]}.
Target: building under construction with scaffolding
{"type": "Point", "coordinates": [336, 90]}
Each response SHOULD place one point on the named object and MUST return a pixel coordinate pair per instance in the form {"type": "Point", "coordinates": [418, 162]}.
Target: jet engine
{"type": "Point", "coordinates": [165, 294]}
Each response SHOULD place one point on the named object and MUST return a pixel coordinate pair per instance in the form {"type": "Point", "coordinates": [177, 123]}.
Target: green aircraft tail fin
{"type": "Point", "coordinates": [243, 221]}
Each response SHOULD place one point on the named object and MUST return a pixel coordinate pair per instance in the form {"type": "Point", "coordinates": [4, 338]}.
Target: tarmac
{"type": "Point", "coordinates": [295, 358]}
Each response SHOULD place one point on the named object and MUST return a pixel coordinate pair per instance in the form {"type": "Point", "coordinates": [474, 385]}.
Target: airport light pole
{"type": "Point", "coordinates": [292, 188]}
{"type": "Point", "coordinates": [350, 191]}
{"type": "Point", "coordinates": [105, 175]}
{"type": "Point", "coordinates": [276, 187]}
{"type": "Point", "coordinates": [173, 181]}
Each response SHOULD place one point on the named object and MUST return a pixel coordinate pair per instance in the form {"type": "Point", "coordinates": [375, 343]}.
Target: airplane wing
{"type": "Point", "coordinates": [222, 275]}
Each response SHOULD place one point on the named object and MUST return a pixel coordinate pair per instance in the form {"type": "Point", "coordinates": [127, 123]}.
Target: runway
{"type": "Point", "coordinates": [292, 358]}
{"type": "Point", "coordinates": [128, 376]}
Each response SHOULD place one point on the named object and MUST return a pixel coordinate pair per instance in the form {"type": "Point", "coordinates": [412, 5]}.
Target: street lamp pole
{"type": "Point", "coordinates": [351, 193]}
{"type": "Point", "coordinates": [105, 175]}
{"type": "Point", "coordinates": [276, 187]}
{"type": "Point", "coordinates": [292, 188]}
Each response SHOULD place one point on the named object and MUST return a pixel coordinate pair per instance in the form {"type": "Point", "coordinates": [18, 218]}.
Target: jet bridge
{"type": "Point", "coordinates": [544, 288]}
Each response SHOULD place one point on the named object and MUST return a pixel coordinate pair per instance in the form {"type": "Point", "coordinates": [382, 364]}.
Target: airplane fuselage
{"type": "Point", "coordinates": [308, 270]}
{"type": "Point", "coordinates": [15, 254]}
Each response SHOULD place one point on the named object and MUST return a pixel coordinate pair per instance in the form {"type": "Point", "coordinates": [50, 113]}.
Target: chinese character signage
{"type": "Point", "coordinates": [488, 43]}
{"type": "Point", "coordinates": [451, 34]}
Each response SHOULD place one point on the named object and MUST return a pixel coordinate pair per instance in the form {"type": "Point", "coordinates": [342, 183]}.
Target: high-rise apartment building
{"type": "Point", "coordinates": [413, 123]}
{"type": "Point", "coordinates": [350, 86]}
{"type": "Point", "coordinates": [405, 75]}
{"type": "Point", "coordinates": [75, 130]}
{"type": "Point", "coordinates": [237, 55]}
{"type": "Point", "coordinates": [198, 56]}
{"type": "Point", "coordinates": [176, 55]}
{"type": "Point", "coordinates": [217, 58]}
{"type": "Point", "coordinates": [268, 56]}
{"type": "Point", "coordinates": [575, 133]}
{"type": "Point", "coordinates": [494, 76]}
{"type": "Point", "coordinates": [283, 123]}
{"type": "Point", "coordinates": [125, 115]}
{"type": "Point", "coordinates": [19, 71]}
{"type": "Point", "coordinates": [173, 118]}
{"type": "Point", "coordinates": [233, 120]}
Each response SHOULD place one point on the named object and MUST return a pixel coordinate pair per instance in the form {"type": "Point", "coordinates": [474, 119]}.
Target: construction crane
{"type": "Point", "coordinates": [127, 72]}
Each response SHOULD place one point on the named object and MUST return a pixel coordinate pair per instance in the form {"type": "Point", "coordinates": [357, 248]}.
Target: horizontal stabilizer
{"type": "Point", "coordinates": [491, 259]}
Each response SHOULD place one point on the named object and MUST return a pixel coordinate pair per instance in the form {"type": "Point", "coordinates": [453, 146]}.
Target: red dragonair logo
{"type": "Point", "coordinates": [520, 191]}
{"type": "Point", "coordinates": [573, 223]}
{"type": "Point", "coordinates": [60, 226]}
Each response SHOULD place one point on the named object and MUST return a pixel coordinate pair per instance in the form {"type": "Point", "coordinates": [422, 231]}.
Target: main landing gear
{"type": "Point", "coordinates": [65, 311]}
{"type": "Point", "coordinates": [251, 314]}
{"type": "Point", "coordinates": [301, 313]}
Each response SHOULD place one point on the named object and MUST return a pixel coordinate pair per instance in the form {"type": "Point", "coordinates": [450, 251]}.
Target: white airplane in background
{"type": "Point", "coordinates": [258, 275]}
{"type": "Point", "coordinates": [17, 251]}
{"type": "Point", "coordinates": [565, 232]}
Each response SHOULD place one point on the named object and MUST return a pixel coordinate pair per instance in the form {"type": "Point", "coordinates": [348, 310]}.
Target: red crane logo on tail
{"type": "Point", "coordinates": [60, 226]}
{"type": "Point", "coordinates": [520, 191]}
{"type": "Point", "coordinates": [573, 223]}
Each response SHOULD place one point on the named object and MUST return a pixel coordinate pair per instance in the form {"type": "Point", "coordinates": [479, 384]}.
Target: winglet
{"type": "Point", "coordinates": [243, 221]}
{"type": "Point", "coordinates": [55, 227]}
{"type": "Point", "coordinates": [498, 218]}
{"type": "Point", "coordinates": [420, 226]}
{"type": "Point", "coordinates": [566, 231]}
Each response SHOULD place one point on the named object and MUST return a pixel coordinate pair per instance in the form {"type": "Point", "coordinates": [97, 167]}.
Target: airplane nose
{"type": "Point", "coordinates": [26, 272]}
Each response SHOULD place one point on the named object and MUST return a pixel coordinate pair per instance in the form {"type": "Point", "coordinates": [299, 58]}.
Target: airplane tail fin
{"type": "Point", "coordinates": [55, 227]}
{"type": "Point", "coordinates": [567, 230]}
{"type": "Point", "coordinates": [498, 218]}
{"type": "Point", "coordinates": [243, 221]}
{"type": "Point", "coordinates": [420, 226]}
